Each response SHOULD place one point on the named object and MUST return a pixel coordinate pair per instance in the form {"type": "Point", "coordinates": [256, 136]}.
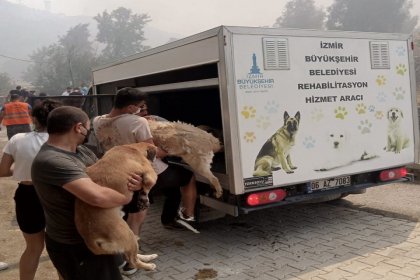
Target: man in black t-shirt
{"type": "Point", "coordinates": [58, 173]}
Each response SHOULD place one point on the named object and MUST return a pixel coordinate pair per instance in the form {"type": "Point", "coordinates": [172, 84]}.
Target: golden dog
{"type": "Point", "coordinates": [276, 150]}
{"type": "Point", "coordinates": [194, 145]}
{"type": "Point", "coordinates": [103, 230]}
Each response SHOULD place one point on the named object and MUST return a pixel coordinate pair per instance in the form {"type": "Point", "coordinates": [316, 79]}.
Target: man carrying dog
{"type": "Point", "coordinates": [58, 174]}
{"type": "Point", "coordinates": [123, 126]}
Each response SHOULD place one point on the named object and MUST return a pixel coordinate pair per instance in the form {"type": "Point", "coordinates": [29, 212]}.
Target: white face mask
{"type": "Point", "coordinates": [138, 111]}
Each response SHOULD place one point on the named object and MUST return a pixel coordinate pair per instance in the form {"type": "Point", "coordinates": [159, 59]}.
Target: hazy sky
{"type": "Point", "coordinates": [184, 17]}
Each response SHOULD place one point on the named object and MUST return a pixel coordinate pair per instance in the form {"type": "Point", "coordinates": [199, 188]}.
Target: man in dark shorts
{"type": "Point", "coordinates": [58, 174]}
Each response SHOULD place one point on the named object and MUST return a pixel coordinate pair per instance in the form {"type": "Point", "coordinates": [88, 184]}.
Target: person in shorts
{"type": "Point", "coordinates": [20, 151]}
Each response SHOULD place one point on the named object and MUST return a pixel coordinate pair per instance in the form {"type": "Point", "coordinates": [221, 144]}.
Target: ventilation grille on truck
{"type": "Point", "coordinates": [379, 55]}
{"type": "Point", "coordinates": [276, 54]}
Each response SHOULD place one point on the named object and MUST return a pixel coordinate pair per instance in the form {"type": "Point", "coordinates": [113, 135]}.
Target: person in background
{"type": "Point", "coordinates": [67, 91]}
{"type": "Point", "coordinates": [58, 174]}
{"type": "Point", "coordinates": [15, 115]}
{"type": "Point", "coordinates": [84, 89]}
{"type": "Point", "coordinates": [20, 152]}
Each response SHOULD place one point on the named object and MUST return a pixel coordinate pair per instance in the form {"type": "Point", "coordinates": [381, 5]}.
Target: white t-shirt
{"type": "Point", "coordinates": [23, 147]}
{"type": "Point", "coordinates": [124, 129]}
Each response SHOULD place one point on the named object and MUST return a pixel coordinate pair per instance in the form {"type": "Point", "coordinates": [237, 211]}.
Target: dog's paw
{"type": "Point", "coordinates": [218, 194]}
{"type": "Point", "coordinates": [149, 266]}
{"type": "Point", "coordinates": [290, 172]}
{"type": "Point", "coordinates": [147, 258]}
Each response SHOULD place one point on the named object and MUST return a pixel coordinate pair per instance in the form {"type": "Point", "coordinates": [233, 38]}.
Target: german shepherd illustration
{"type": "Point", "coordinates": [275, 153]}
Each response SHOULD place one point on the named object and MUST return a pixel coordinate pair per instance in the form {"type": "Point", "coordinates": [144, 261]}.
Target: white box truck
{"type": "Point", "coordinates": [306, 115]}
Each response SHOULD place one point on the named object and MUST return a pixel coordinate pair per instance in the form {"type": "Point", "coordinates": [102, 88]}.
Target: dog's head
{"type": "Point", "coordinates": [291, 123]}
{"type": "Point", "coordinates": [336, 139]}
{"type": "Point", "coordinates": [147, 154]}
{"type": "Point", "coordinates": [394, 115]}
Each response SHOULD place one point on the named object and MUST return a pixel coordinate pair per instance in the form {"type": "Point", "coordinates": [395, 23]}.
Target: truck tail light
{"type": "Point", "coordinates": [393, 174]}
{"type": "Point", "coordinates": [261, 198]}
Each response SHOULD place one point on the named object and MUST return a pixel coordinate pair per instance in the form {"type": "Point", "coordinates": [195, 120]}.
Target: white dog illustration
{"type": "Point", "coordinates": [397, 138]}
{"type": "Point", "coordinates": [340, 152]}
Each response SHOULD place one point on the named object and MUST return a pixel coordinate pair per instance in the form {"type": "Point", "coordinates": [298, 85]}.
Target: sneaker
{"type": "Point", "coordinates": [186, 224]}
{"type": "Point", "coordinates": [127, 270]}
{"type": "Point", "coordinates": [121, 266]}
{"type": "Point", "coordinates": [184, 217]}
{"type": "Point", "coordinates": [3, 266]}
{"type": "Point", "coordinates": [173, 226]}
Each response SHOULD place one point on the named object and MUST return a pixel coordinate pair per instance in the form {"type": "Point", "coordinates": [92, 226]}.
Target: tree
{"type": "Point", "coordinates": [301, 14]}
{"type": "Point", "coordinates": [6, 83]}
{"type": "Point", "coordinates": [372, 15]}
{"type": "Point", "coordinates": [66, 63]}
{"type": "Point", "coordinates": [78, 53]}
{"type": "Point", "coordinates": [121, 32]}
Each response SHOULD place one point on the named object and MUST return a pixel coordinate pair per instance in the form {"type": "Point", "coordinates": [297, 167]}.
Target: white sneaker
{"type": "Point", "coordinates": [183, 217]}
{"type": "Point", "coordinates": [3, 266]}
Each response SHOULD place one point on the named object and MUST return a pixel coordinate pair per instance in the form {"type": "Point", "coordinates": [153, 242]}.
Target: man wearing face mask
{"type": "Point", "coordinates": [58, 174]}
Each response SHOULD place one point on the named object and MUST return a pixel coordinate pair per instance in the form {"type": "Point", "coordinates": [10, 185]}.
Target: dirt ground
{"type": "Point", "coordinates": [11, 239]}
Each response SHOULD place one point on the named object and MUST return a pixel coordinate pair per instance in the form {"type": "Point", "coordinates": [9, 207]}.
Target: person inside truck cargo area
{"type": "Point", "coordinates": [59, 177]}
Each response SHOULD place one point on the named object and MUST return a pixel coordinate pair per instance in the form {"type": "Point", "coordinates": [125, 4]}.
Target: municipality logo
{"type": "Point", "coordinates": [255, 79]}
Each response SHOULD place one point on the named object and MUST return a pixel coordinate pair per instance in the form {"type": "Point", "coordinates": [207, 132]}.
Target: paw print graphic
{"type": "Point", "coordinates": [399, 93]}
{"type": "Point", "coordinates": [379, 115]}
{"type": "Point", "coordinates": [272, 107]}
{"type": "Point", "coordinates": [249, 137]}
{"type": "Point", "coordinates": [317, 114]}
{"type": "Point", "coordinates": [340, 112]}
{"type": "Point", "coordinates": [381, 97]}
{"type": "Point", "coordinates": [263, 122]}
{"type": "Point", "coordinates": [380, 80]}
{"type": "Point", "coordinates": [361, 108]}
{"type": "Point", "coordinates": [371, 108]}
{"type": "Point", "coordinates": [364, 126]}
{"type": "Point", "coordinates": [248, 112]}
{"type": "Point", "coordinates": [401, 51]}
{"type": "Point", "coordinates": [309, 142]}
{"type": "Point", "coordinates": [401, 69]}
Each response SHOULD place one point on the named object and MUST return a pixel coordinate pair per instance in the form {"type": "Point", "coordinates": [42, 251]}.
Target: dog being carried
{"type": "Point", "coordinates": [276, 150]}
{"type": "Point", "coordinates": [103, 229]}
{"type": "Point", "coordinates": [195, 146]}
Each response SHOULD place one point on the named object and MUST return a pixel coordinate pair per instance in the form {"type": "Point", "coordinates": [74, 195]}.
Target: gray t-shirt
{"type": "Point", "coordinates": [51, 169]}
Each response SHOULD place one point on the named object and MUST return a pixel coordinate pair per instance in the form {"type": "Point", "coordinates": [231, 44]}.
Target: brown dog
{"type": "Point", "coordinates": [194, 145]}
{"type": "Point", "coordinates": [103, 230]}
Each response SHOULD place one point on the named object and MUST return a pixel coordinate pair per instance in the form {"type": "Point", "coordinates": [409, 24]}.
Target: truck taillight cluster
{"type": "Point", "coordinates": [261, 198]}
{"type": "Point", "coordinates": [393, 174]}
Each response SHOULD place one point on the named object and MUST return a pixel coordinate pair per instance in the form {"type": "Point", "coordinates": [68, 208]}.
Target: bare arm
{"type": "Point", "coordinates": [6, 165]}
{"type": "Point", "coordinates": [1, 116]}
{"type": "Point", "coordinates": [90, 192]}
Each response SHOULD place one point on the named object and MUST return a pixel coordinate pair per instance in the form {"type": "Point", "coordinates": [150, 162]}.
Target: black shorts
{"type": "Point", "coordinates": [76, 262]}
{"type": "Point", "coordinates": [29, 212]}
{"type": "Point", "coordinates": [174, 176]}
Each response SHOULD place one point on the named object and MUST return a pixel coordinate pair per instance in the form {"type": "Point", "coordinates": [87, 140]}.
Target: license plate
{"type": "Point", "coordinates": [330, 183]}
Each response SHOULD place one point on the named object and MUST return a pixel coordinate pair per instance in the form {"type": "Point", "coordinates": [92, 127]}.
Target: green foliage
{"type": "Point", "coordinates": [372, 15]}
{"type": "Point", "coordinates": [121, 32]}
{"type": "Point", "coordinates": [67, 63]}
{"type": "Point", "coordinates": [6, 83]}
{"type": "Point", "coordinates": [301, 14]}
